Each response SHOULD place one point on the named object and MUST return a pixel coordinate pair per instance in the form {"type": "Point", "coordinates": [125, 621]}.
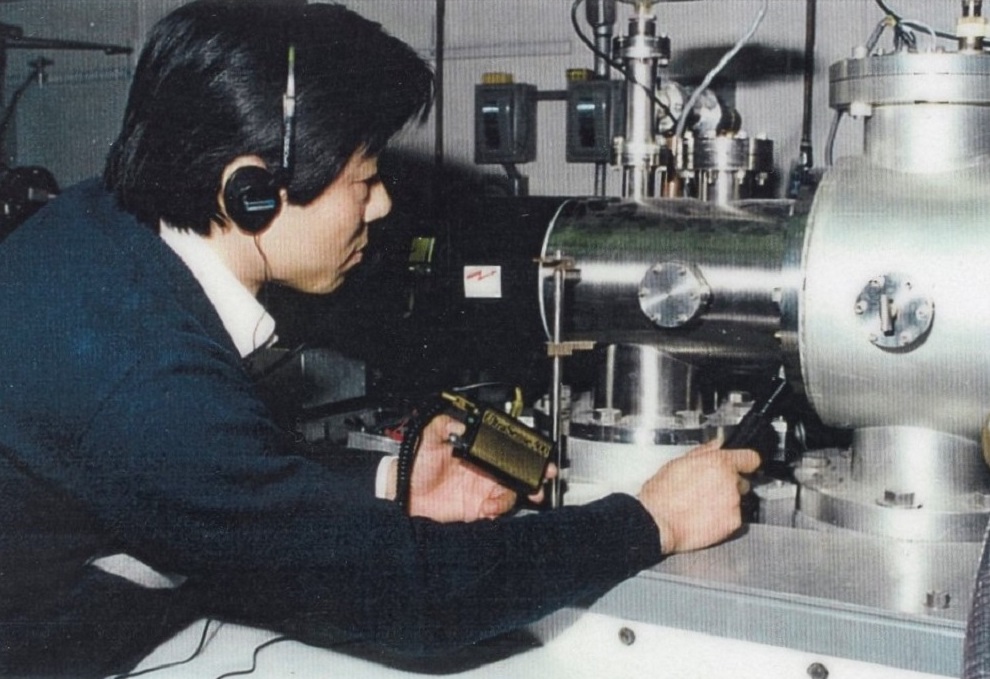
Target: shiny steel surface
{"type": "Point", "coordinates": [928, 137]}
{"type": "Point", "coordinates": [931, 229]}
{"type": "Point", "coordinates": [729, 154]}
{"type": "Point", "coordinates": [927, 464]}
{"type": "Point", "coordinates": [640, 51]}
{"type": "Point", "coordinates": [642, 381]}
{"type": "Point", "coordinates": [728, 168]}
{"type": "Point", "coordinates": [904, 98]}
{"type": "Point", "coordinates": [672, 294]}
{"type": "Point", "coordinates": [736, 250]}
{"type": "Point", "coordinates": [899, 482]}
{"type": "Point", "coordinates": [855, 507]}
{"type": "Point", "coordinates": [906, 78]}
{"type": "Point", "coordinates": [860, 596]}
{"type": "Point", "coordinates": [894, 313]}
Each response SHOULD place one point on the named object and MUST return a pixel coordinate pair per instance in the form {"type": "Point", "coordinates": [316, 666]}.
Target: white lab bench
{"type": "Point", "coordinates": [775, 603]}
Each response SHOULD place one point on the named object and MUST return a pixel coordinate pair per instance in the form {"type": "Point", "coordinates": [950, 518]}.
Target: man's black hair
{"type": "Point", "coordinates": [208, 88]}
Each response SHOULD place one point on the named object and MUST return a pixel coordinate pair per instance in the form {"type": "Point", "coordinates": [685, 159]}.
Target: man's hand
{"type": "Point", "coordinates": [695, 498]}
{"type": "Point", "coordinates": [445, 488]}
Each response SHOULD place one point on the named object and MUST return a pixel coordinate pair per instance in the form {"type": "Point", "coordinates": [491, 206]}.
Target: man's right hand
{"type": "Point", "coordinates": [694, 499]}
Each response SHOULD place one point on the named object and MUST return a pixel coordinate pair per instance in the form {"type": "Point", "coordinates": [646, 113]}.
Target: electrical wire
{"type": "Point", "coordinates": [917, 25]}
{"type": "Point", "coordinates": [875, 36]}
{"type": "Point", "coordinates": [726, 58]}
{"type": "Point", "coordinates": [479, 385]}
{"type": "Point", "coordinates": [833, 129]}
{"type": "Point", "coordinates": [900, 20]}
{"type": "Point", "coordinates": [199, 649]}
{"type": "Point", "coordinates": [409, 447]}
{"type": "Point", "coordinates": [255, 343]}
{"type": "Point", "coordinates": [279, 363]}
{"type": "Point", "coordinates": [254, 658]}
{"type": "Point", "coordinates": [613, 63]}
{"type": "Point", "coordinates": [37, 69]}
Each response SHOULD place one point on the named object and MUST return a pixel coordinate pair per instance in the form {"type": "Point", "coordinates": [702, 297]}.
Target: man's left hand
{"type": "Point", "coordinates": [446, 489]}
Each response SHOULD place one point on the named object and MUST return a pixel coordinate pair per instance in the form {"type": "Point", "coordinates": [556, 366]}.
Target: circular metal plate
{"type": "Point", "coordinates": [673, 293]}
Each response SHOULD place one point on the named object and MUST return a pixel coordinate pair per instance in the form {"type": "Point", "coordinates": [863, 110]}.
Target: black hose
{"type": "Point", "coordinates": [409, 447]}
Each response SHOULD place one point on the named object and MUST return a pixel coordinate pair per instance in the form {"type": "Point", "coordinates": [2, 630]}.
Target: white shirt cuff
{"type": "Point", "coordinates": [381, 478]}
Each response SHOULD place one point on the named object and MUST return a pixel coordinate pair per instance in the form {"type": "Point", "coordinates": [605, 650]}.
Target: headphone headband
{"type": "Point", "coordinates": [252, 194]}
{"type": "Point", "coordinates": [289, 114]}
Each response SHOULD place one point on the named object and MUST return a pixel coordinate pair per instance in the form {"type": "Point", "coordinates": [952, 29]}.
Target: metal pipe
{"type": "Point", "coordinates": [971, 28]}
{"type": "Point", "coordinates": [638, 151]}
{"type": "Point", "coordinates": [556, 412]}
{"type": "Point", "coordinates": [601, 17]}
{"type": "Point", "coordinates": [438, 120]}
{"type": "Point", "coordinates": [806, 160]}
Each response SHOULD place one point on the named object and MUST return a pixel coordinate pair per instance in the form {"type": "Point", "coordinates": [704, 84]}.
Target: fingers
{"type": "Point", "coordinates": [695, 499]}
{"type": "Point", "coordinates": [743, 460]}
{"type": "Point", "coordinates": [498, 504]}
{"type": "Point", "coordinates": [705, 448]}
{"type": "Point", "coordinates": [549, 475]}
{"type": "Point", "coordinates": [746, 461]}
{"type": "Point", "coordinates": [446, 426]}
{"type": "Point", "coordinates": [537, 497]}
{"type": "Point", "coordinates": [551, 472]}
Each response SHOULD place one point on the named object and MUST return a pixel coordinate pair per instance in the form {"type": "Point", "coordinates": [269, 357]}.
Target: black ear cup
{"type": "Point", "coordinates": [251, 196]}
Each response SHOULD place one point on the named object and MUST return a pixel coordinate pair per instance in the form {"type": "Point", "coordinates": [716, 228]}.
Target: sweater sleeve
{"type": "Point", "coordinates": [183, 466]}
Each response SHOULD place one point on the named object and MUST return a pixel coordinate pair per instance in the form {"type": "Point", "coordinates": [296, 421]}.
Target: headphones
{"type": "Point", "coordinates": [252, 194]}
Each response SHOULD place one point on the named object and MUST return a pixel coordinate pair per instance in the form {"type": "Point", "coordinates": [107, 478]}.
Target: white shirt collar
{"type": "Point", "coordinates": [243, 316]}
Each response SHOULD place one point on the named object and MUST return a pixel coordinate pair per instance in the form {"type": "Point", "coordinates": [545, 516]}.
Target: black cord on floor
{"type": "Point", "coordinates": [254, 658]}
{"type": "Point", "coordinates": [156, 668]}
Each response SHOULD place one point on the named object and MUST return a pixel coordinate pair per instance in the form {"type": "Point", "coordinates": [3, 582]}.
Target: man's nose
{"type": "Point", "coordinates": [379, 203]}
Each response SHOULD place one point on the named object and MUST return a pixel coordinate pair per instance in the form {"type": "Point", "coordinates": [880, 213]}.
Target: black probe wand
{"type": "Point", "coordinates": [754, 424]}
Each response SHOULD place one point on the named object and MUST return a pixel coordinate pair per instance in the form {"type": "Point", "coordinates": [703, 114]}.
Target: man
{"type": "Point", "coordinates": [143, 483]}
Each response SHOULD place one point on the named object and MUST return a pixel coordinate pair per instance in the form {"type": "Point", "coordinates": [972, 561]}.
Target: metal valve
{"type": "Point", "coordinates": [893, 312]}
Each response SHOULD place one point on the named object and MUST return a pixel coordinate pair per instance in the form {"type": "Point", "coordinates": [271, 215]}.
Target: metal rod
{"type": "Point", "coordinates": [601, 16]}
{"type": "Point", "coordinates": [601, 177]}
{"type": "Point", "coordinates": [810, 29]}
{"type": "Point", "coordinates": [438, 120]}
{"type": "Point", "coordinates": [556, 411]}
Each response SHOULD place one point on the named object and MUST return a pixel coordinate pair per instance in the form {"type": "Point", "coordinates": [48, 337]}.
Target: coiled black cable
{"type": "Point", "coordinates": [420, 418]}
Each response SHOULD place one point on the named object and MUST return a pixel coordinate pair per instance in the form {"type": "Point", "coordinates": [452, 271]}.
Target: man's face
{"type": "Point", "coordinates": [310, 247]}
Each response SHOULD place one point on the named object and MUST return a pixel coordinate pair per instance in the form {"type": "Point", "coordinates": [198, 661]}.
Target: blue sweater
{"type": "Point", "coordinates": [128, 424]}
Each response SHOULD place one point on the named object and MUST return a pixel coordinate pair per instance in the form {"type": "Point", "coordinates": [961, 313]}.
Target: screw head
{"type": "Point", "coordinates": [936, 599]}
{"type": "Point", "coordinates": [895, 498]}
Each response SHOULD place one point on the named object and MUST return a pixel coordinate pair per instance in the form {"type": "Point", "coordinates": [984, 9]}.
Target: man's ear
{"type": "Point", "coordinates": [251, 196]}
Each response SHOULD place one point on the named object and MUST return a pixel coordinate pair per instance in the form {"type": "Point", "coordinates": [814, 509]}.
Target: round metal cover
{"type": "Point", "coordinates": [894, 314]}
{"type": "Point", "coordinates": [673, 293]}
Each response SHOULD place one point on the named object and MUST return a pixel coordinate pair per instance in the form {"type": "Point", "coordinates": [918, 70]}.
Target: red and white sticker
{"type": "Point", "coordinates": [483, 281]}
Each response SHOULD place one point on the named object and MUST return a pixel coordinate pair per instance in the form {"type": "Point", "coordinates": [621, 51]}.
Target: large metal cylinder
{"type": "Point", "coordinates": [877, 299]}
{"type": "Point", "coordinates": [891, 316]}
{"type": "Point", "coordinates": [643, 382]}
{"type": "Point", "coordinates": [924, 112]}
{"type": "Point", "coordinates": [701, 280]}
{"type": "Point", "coordinates": [893, 320]}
